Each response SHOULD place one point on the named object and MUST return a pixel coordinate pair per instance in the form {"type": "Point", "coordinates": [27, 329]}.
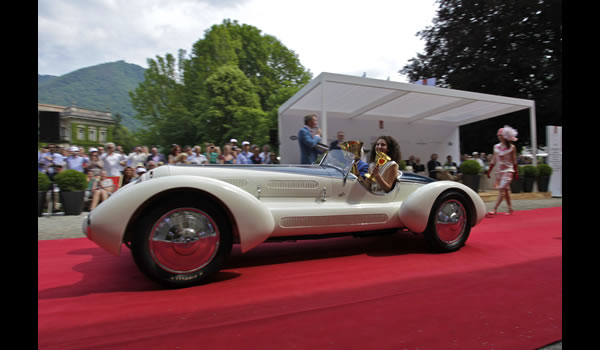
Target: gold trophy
{"type": "Point", "coordinates": [380, 159]}
{"type": "Point", "coordinates": [354, 147]}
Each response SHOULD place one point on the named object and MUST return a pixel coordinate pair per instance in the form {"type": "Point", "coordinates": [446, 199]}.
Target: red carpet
{"type": "Point", "coordinates": [503, 290]}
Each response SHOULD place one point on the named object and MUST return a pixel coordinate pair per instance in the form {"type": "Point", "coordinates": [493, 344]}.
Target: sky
{"type": "Point", "coordinates": [335, 36]}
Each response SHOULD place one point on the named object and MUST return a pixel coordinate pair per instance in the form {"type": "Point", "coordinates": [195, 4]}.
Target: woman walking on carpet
{"type": "Point", "coordinates": [505, 156]}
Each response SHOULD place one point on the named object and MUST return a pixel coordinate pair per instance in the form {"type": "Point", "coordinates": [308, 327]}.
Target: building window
{"type": "Point", "coordinates": [103, 135]}
{"type": "Point", "coordinates": [80, 133]}
{"type": "Point", "coordinates": [91, 134]}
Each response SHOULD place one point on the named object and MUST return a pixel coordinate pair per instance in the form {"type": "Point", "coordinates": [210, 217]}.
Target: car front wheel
{"type": "Point", "coordinates": [183, 243]}
{"type": "Point", "coordinates": [449, 222]}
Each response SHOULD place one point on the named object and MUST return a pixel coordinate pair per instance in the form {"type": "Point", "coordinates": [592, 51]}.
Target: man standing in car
{"type": "Point", "coordinates": [308, 137]}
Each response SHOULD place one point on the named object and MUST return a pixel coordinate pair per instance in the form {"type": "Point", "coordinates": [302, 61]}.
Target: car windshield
{"type": "Point", "coordinates": [339, 159]}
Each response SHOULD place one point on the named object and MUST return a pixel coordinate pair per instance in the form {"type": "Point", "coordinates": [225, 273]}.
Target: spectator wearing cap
{"type": "Point", "coordinates": [244, 156]}
{"type": "Point", "coordinates": [95, 164]}
{"type": "Point", "coordinates": [140, 170]}
{"type": "Point", "coordinates": [75, 161]}
{"type": "Point", "coordinates": [233, 143]}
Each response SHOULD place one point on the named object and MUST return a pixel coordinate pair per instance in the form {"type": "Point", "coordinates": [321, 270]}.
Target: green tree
{"type": "Point", "coordinates": [274, 71]}
{"type": "Point", "coordinates": [231, 108]}
{"type": "Point", "coordinates": [231, 85]}
{"type": "Point", "coordinates": [160, 106]}
{"type": "Point", "coordinates": [510, 48]}
{"type": "Point", "coordinates": [121, 134]}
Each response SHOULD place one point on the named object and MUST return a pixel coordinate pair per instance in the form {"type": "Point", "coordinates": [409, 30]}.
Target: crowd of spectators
{"type": "Point", "coordinates": [111, 158]}
{"type": "Point", "coordinates": [110, 161]}
{"type": "Point", "coordinates": [433, 167]}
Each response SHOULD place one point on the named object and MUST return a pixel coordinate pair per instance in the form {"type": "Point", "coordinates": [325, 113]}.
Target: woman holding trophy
{"type": "Point", "coordinates": [383, 166]}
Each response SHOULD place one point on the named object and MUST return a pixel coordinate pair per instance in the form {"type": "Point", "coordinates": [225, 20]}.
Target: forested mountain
{"type": "Point", "coordinates": [98, 87]}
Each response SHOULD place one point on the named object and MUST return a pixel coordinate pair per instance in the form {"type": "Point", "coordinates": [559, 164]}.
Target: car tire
{"type": "Point", "coordinates": [449, 223]}
{"type": "Point", "coordinates": [182, 243]}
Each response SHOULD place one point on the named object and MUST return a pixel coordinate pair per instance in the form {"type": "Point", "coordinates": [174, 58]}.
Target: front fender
{"type": "Point", "coordinates": [109, 220]}
{"type": "Point", "coordinates": [415, 210]}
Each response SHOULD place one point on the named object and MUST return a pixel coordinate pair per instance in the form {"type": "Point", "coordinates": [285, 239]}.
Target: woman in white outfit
{"type": "Point", "coordinates": [505, 156]}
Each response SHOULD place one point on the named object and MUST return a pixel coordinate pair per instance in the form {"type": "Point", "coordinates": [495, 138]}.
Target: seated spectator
{"type": "Point", "coordinates": [101, 190]}
{"type": "Point", "coordinates": [419, 168]}
{"type": "Point", "coordinates": [140, 170]}
{"type": "Point", "coordinates": [181, 159]}
{"type": "Point", "coordinates": [273, 158]}
{"type": "Point", "coordinates": [449, 164]}
{"type": "Point", "coordinates": [432, 165]}
{"type": "Point", "coordinates": [91, 180]}
{"type": "Point", "coordinates": [128, 175]}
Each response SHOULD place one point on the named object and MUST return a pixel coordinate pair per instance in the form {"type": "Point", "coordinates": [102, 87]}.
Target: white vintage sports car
{"type": "Point", "coordinates": [180, 221]}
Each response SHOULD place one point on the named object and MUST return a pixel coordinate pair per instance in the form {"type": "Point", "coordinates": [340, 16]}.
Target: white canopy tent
{"type": "Point", "coordinates": [423, 119]}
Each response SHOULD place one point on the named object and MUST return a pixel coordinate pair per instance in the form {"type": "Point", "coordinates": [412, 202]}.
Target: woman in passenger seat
{"type": "Point", "coordinates": [383, 176]}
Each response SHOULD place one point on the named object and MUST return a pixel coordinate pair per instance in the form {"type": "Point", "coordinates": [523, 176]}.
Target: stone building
{"type": "Point", "coordinates": [74, 125]}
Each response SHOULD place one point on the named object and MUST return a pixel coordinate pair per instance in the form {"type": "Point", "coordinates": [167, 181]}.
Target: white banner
{"type": "Point", "coordinates": [554, 142]}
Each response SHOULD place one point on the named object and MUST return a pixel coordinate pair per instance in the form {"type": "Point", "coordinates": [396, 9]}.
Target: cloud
{"type": "Point", "coordinates": [345, 37]}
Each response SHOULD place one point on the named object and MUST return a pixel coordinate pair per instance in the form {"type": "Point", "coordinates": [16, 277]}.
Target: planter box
{"type": "Point", "coordinates": [472, 181]}
{"type": "Point", "coordinates": [41, 202]}
{"type": "Point", "coordinates": [543, 182]}
{"type": "Point", "coordinates": [516, 186]}
{"type": "Point", "coordinates": [528, 184]}
{"type": "Point", "coordinates": [72, 202]}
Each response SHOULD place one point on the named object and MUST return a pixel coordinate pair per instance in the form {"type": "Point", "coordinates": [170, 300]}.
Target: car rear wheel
{"type": "Point", "coordinates": [449, 222]}
{"type": "Point", "coordinates": [182, 243]}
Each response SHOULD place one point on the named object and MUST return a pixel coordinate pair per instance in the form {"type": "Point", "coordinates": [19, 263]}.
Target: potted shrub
{"type": "Point", "coordinates": [543, 171]}
{"type": "Point", "coordinates": [529, 174]}
{"type": "Point", "coordinates": [470, 170]}
{"type": "Point", "coordinates": [516, 186]}
{"type": "Point", "coordinates": [72, 185]}
{"type": "Point", "coordinates": [43, 187]}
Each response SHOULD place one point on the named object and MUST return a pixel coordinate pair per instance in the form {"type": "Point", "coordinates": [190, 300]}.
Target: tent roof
{"type": "Point", "coordinates": [351, 97]}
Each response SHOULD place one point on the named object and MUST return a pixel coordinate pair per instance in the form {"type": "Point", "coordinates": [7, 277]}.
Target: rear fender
{"type": "Point", "coordinates": [415, 210]}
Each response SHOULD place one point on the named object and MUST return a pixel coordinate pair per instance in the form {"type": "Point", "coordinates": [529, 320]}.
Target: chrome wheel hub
{"type": "Point", "coordinates": [450, 221]}
{"type": "Point", "coordinates": [184, 240]}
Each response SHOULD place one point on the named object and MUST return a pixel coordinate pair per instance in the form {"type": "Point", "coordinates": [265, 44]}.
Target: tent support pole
{"type": "Point", "coordinates": [323, 122]}
{"type": "Point", "coordinates": [533, 131]}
